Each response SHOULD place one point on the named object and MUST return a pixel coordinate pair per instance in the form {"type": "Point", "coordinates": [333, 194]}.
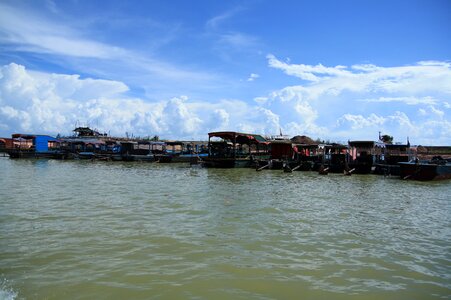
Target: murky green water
{"type": "Point", "coordinates": [97, 230]}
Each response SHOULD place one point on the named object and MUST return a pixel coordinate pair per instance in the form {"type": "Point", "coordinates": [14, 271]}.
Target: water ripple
{"type": "Point", "coordinates": [75, 229]}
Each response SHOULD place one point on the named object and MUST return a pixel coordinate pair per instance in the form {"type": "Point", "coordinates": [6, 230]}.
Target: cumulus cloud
{"type": "Point", "coordinates": [359, 121]}
{"type": "Point", "coordinates": [367, 126]}
{"type": "Point", "coordinates": [344, 101]}
{"type": "Point", "coordinates": [37, 102]}
{"type": "Point", "coordinates": [53, 103]}
{"type": "Point", "coordinates": [421, 77]}
{"type": "Point", "coordinates": [329, 107]}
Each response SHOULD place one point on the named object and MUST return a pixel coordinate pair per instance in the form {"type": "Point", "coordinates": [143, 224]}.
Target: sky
{"type": "Point", "coordinates": [331, 70]}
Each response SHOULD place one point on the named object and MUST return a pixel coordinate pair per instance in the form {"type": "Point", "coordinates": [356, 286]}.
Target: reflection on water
{"type": "Point", "coordinates": [96, 230]}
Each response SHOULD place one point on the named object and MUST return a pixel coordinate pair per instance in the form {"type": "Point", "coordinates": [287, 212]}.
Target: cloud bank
{"type": "Point", "coordinates": [358, 101]}
{"type": "Point", "coordinates": [36, 102]}
{"type": "Point", "coordinates": [335, 103]}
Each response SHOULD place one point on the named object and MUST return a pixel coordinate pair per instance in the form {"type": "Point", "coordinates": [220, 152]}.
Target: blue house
{"type": "Point", "coordinates": [34, 145]}
{"type": "Point", "coordinates": [36, 142]}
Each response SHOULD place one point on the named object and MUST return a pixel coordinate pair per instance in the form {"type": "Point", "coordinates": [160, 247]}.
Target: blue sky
{"type": "Point", "coordinates": [335, 70]}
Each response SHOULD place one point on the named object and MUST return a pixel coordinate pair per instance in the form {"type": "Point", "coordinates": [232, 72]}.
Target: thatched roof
{"type": "Point", "coordinates": [302, 139]}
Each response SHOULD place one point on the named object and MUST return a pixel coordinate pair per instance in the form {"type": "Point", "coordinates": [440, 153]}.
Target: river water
{"type": "Point", "coordinates": [112, 230]}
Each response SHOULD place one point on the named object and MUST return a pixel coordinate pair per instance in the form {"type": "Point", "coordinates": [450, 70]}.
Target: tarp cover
{"type": "Point", "coordinates": [242, 138]}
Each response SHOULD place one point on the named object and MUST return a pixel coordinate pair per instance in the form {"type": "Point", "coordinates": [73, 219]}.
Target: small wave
{"type": "Point", "coordinates": [6, 292]}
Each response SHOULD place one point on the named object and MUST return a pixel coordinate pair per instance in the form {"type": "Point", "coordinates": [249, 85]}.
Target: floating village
{"type": "Point", "coordinates": [229, 149]}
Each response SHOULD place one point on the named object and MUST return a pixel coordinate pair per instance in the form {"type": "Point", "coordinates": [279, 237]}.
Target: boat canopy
{"type": "Point", "coordinates": [397, 146]}
{"type": "Point", "coordinates": [238, 137]}
{"type": "Point", "coordinates": [363, 144]}
{"type": "Point", "coordinates": [33, 136]}
{"type": "Point", "coordinates": [85, 141]}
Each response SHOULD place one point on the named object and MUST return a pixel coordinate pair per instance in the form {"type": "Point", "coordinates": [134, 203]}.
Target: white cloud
{"type": "Point", "coordinates": [329, 108]}
{"type": "Point", "coordinates": [178, 119]}
{"type": "Point", "coordinates": [54, 103]}
{"type": "Point", "coordinates": [437, 112]}
{"type": "Point", "coordinates": [261, 100]}
{"type": "Point", "coordinates": [215, 22]}
{"type": "Point", "coordinates": [357, 99]}
{"type": "Point", "coordinates": [30, 33]}
{"type": "Point", "coordinates": [359, 121]}
{"type": "Point", "coordinates": [78, 46]}
{"type": "Point", "coordinates": [407, 100]}
{"type": "Point", "coordinates": [227, 41]}
{"type": "Point", "coordinates": [419, 78]}
{"type": "Point", "coordinates": [307, 72]}
{"type": "Point", "coordinates": [223, 119]}
{"type": "Point", "coordinates": [253, 76]}
{"type": "Point", "coordinates": [238, 41]}
{"type": "Point", "coordinates": [432, 112]}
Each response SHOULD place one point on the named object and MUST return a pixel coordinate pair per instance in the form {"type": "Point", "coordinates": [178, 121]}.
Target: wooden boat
{"type": "Point", "coordinates": [144, 151]}
{"type": "Point", "coordinates": [281, 153]}
{"type": "Point", "coordinates": [332, 157]}
{"type": "Point", "coordinates": [392, 155]}
{"type": "Point", "coordinates": [235, 149]}
{"type": "Point", "coordinates": [35, 146]}
{"type": "Point", "coordinates": [323, 171]}
{"type": "Point", "coordinates": [184, 152]}
{"type": "Point", "coordinates": [435, 169]}
{"type": "Point", "coordinates": [362, 155]}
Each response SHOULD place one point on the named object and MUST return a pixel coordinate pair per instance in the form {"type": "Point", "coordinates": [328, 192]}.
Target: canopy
{"type": "Point", "coordinates": [239, 137]}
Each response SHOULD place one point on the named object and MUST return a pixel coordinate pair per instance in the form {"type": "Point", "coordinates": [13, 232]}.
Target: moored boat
{"type": "Point", "coordinates": [35, 146]}
{"type": "Point", "coordinates": [235, 149]}
{"type": "Point", "coordinates": [363, 155]}
{"type": "Point", "coordinates": [281, 153]}
{"type": "Point", "coordinates": [435, 169]}
{"type": "Point", "coordinates": [393, 154]}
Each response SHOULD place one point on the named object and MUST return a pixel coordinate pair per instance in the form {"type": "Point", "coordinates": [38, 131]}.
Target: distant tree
{"type": "Point", "coordinates": [156, 138]}
{"type": "Point", "coordinates": [387, 139]}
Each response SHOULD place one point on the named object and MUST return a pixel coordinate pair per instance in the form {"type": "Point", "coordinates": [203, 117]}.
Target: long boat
{"type": "Point", "coordinates": [235, 149]}
{"type": "Point", "coordinates": [435, 169]}
{"type": "Point", "coordinates": [35, 146]}
{"type": "Point", "coordinates": [184, 152]}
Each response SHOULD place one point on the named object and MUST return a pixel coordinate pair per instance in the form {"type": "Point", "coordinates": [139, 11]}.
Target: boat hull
{"type": "Point", "coordinates": [386, 169]}
{"type": "Point", "coordinates": [425, 171]}
{"type": "Point", "coordinates": [19, 153]}
{"type": "Point", "coordinates": [227, 162]}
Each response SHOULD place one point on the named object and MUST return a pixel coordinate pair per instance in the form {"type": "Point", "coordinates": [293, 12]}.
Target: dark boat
{"type": "Point", "coordinates": [363, 155]}
{"type": "Point", "coordinates": [185, 152]}
{"type": "Point", "coordinates": [281, 154]}
{"type": "Point", "coordinates": [306, 157]}
{"type": "Point", "coordinates": [235, 150]}
{"type": "Point", "coordinates": [87, 143]}
{"type": "Point", "coordinates": [334, 157]}
{"type": "Point", "coordinates": [393, 154]}
{"type": "Point", "coordinates": [331, 158]}
{"type": "Point", "coordinates": [435, 169]}
{"type": "Point", "coordinates": [149, 151]}
{"type": "Point", "coordinates": [35, 146]}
